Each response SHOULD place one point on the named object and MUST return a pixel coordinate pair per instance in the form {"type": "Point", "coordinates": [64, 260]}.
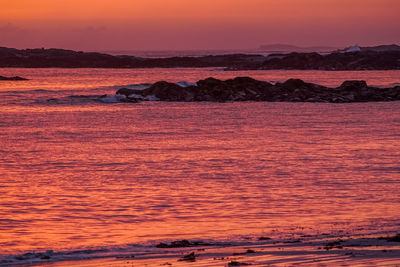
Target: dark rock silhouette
{"type": "Point", "coordinates": [248, 89]}
{"type": "Point", "coordinates": [189, 257]}
{"type": "Point", "coordinates": [61, 58]}
{"type": "Point", "coordinates": [395, 238]}
{"type": "Point", "coordinates": [183, 244]}
{"type": "Point", "coordinates": [363, 60]}
{"type": "Point", "coordinates": [15, 78]}
{"type": "Point", "coordinates": [371, 58]}
{"type": "Point", "coordinates": [249, 251]}
{"type": "Point", "coordinates": [334, 244]}
{"type": "Point", "coordinates": [237, 263]}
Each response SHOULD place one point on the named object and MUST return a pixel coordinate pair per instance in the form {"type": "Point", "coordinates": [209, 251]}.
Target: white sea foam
{"type": "Point", "coordinates": [354, 48]}
{"type": "Point", "coordinates": [140, 86]}
{"type": "Point", "coordinates": [186, 84]}
{"type": "Point", "coordinates": [136, 96]}
{"type": "Point", "coordinates": [151, 98]}
{"type": "Point", "coordinates": [145, 98]}
{"type": "Point", "coordinates": [117, 98]}
{"type": "Point", "coordinates": [112, 98]}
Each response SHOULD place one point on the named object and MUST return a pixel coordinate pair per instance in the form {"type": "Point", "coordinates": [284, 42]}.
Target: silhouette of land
{"type": "Point", "coordinates": [368, 58]}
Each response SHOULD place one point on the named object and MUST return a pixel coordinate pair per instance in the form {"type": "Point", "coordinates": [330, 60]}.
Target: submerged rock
{"type": "Point", "coordinates": [15, 78]}
{"type": "Point", "coordinates": [182, 244]}
{"type": "Point", "coordinates": [189, 257]}
{"type": "Point", "coordinates": [334, 244]}
{"type": "Point", "coordinates": [249, 251]}
{"type": "Point", "coordinates": [248, 89]}
{"type": "Point", "coordinates": [237, 263]}
{"type": "Point", "coordinates": [395, 238]}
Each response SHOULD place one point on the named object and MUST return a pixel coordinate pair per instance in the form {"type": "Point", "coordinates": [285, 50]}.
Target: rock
{"type": "Point", "coordinates": [209, 83]}
{"type": "Point", "coordinates": [169, 91]}
{"type": "Point", "coordinates": [364, 60]}
{"type": "Point", "coordinates": [395, 238]}
{"type": "Point", "coordinates": [182, 244]}
{"type": "Point", "coordinates": [117, 98]}
{"type": "Point", "coordinates": [375, 58]}
{"type": "Point", "coordinates": [175, 244]}
{"type": "Point", "coordinates": [45, 257]}
{"type": "Point", "coordinates": [62, 58]}
{"type": "Point", "coordinates": [352, 85]}
{"type": "Point", "coordinates": [292, 84]}
{"type": "Point", "coordinates": [237, 263]}
{"type": "Point", "coordinates": [15, 78]}
{"type": "Point", "coordinates": [248, 89]}
{"type": "Point", "coordinates": [32, 255]}
{"type": "Point", "coordinates": [189, 257]}
{"type": "Point", "coordinates": [359, 91]}
{"type": "Point", "coordinates": [292, 241]}
{"type": "Point", "coordinates": [249, 251]}
{"type": "Point", "coordinates": [334, 244]}
{"type": "Point", "coordinates": [125, 91]}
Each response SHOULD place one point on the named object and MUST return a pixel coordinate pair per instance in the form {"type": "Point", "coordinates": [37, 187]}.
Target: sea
{"type": "Point", "coordinates": [84, 179]}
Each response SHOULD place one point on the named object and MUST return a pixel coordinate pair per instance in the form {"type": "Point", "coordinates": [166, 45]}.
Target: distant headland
{"type": "Point", "coordinates": [384, 57]}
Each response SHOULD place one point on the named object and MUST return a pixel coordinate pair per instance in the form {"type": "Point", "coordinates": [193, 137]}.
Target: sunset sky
{"type": "Point", "coordinates": [196, 24]}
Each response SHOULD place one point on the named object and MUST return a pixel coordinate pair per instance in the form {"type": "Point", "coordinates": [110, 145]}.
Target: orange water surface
{"type": "Point", "coordinates": [88, 175]}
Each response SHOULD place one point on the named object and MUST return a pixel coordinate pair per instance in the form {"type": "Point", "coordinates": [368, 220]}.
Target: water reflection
{"type": "Point", "coordinates": [123, 174]}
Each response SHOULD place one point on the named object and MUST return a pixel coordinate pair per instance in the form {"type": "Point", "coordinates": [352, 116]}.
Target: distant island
{"type": "Point", "coordinates": [287, 48]}
{"type": "Point", "coordinates": [385, 57]}
{"type": "Point", "coordinates": [248, 89]}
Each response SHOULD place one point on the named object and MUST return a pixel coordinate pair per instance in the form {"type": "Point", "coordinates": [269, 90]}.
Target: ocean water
{"type": "Point", "coordinates": [79, 177]}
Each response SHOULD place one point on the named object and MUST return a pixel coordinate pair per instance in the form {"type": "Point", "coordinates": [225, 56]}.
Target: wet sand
{"type": "Point", "coordinates": [344, 251]}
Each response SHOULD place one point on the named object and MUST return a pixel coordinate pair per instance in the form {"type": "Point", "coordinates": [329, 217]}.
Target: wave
{"type": "Point", "coordinates": [112, 98]}
{"type": "Point", "coordinates": [139, 86]}
{"type": "Point", "coordinates": [186, 84]}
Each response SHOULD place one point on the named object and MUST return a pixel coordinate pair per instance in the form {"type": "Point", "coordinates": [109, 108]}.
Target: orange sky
{"type": "Point", "coordinates": [196, 24]}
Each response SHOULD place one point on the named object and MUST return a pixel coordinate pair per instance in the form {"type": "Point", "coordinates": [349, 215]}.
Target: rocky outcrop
{"type": "Point", "coordinates": [15, 78]}
{"type": "Point", "coordinates": [248, 89]}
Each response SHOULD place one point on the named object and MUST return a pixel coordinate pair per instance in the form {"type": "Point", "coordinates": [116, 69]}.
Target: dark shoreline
{"type": "Point", "coordinates": [248, 89]}
{"type": "Point", "coordinates": [346, 249]}
{"type": "Point", "coordinates": [369, 59]}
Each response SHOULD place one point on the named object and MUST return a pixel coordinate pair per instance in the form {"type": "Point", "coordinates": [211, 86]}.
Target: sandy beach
{"type": "Point", "coordinates": [306, 251]}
